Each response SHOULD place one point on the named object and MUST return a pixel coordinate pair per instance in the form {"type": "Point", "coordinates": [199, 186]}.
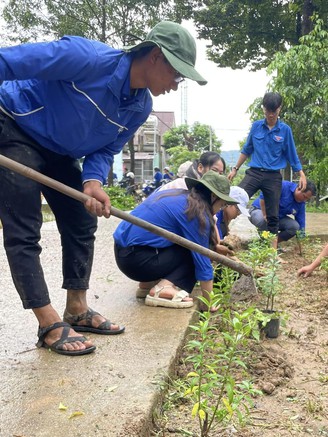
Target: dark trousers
{"type": "Point", "coordinates": [269, 182]}
{"type": "Point", "coordinates": [20, 214]}
{"type": "Point", "coordinates": [145, 264]}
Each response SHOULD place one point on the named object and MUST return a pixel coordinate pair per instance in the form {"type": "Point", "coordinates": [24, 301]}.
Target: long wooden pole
{"type": "Point", "coordinates": [77, 195]}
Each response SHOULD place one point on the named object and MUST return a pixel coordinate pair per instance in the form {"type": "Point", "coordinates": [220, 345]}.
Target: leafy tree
{"type": "Point", "coordinates": [118, 22]}
{"type": "Point", "coordinates": [179, 155]}
{"type": "Point", "coordinates": [198, 137]}
{"type": "Point", "coordinates": [301, 77]}
{"type": "Point", "coordinates": [247, 33]}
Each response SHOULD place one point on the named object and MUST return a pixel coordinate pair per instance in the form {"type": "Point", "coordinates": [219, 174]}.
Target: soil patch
{"type": "Point", "coordinates": [292, 370]}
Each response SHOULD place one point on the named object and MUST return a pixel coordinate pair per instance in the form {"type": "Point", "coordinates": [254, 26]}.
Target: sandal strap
{"type": "Point", "coordinates": [180, 295]}
{"type": "Point", "coordinates": [87, 316]}
{"type": "Point", "coordinates": [177, 297]}
{"type": "Point", "coordinates": [42, 332]}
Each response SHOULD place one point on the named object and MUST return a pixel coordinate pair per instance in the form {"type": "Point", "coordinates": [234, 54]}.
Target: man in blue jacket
{"type": "Point", "coordinates": [270, 145]}
{"type": "Point", "coordinates": [60, 101]}
{"type": "Point", "coordinates": [292, 202]}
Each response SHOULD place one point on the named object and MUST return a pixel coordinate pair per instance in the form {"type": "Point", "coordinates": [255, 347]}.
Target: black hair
{"type": "Point", "coordinates": [143, 51]}
{"type": "Point", "coordinates": [199, 206]}
{"type": "Point", "coordinates": [310, 186]}
{"type": "Point", "coordinates": [157, 169]}
{"type": "Point", "coordinates": [272, 101]}
{"type": "Point", "coordinates": [207, 159]}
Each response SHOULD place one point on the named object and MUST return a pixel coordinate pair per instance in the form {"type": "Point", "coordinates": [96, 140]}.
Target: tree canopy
{"type": "Point", "coordinates": [198, 137]}
{"type": "Point", "coordinates": [118, 22]}
{"type": "Point", "coordinates": [247, 33]}
{"type": "Point", "coordinates": [301, 77]}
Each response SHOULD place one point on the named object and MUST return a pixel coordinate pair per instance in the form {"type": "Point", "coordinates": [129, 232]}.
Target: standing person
{"type": "Point", "coordinates": [196, 169]}
{"type": "Point", "coordinates": [307, 270]}
{"type": "Point", "coordinates": [168, 175]}
{"type": "Point", "coordinates": [149, 258]}
{"type": "Point", "coordinates": [270, 145]}
{"type": "Point", "coordinates": [158, 177]}
{"type": "Point", "coordinates": [60, 101]}
{"type": "Point", "coordinates": [292, 202]}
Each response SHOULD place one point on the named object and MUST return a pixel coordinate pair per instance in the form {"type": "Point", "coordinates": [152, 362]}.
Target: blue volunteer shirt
{"type": "Point", "coordinates": [73, 97]}
{"type": "Point", "coordinates": [271, 149]}
{"type": "Point", "coordinates": [167, 210]}
{"type": "Point", "coordinates": [288, 204]}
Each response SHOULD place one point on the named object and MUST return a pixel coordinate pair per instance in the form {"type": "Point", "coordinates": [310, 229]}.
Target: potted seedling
{"type": "Point", "coordinates": [269, 284]}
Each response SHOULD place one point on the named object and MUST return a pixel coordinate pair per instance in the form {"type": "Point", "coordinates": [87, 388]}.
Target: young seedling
{"type": "Point", "coordinates": [218, 398]}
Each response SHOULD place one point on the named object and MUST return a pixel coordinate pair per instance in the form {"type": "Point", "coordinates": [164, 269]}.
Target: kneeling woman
{"type": "Point", "coordinates": [149, 258]}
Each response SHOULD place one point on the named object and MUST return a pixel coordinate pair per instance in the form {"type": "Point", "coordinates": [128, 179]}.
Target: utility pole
{"type": "Point", "coordinates": [184, 102]}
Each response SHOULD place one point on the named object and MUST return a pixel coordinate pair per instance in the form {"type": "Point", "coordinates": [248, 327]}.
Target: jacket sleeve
{"type": "Point", "coordinates": [66, 59]}
{"type": "Point", "coordinates": [248, 147]}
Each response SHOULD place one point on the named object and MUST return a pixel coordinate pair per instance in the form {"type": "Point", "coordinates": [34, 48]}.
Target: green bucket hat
{"type": "Point", "coordinates": [178, 47]}
{"type": "Point", "coordinates": [217, 184]}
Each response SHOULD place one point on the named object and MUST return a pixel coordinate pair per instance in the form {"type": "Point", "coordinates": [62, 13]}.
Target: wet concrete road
{"type": "Point", "coordinates": [110, 393]}
{"type": "Point", "coordinates": [115, 387]}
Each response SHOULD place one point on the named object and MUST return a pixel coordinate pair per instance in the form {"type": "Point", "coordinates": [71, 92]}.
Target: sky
{"type": "Point", "coordinates": [222, 103]}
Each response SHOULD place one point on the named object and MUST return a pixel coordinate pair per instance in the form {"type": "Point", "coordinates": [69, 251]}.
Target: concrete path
{"type": "Point", "coordinates": [110, 393]}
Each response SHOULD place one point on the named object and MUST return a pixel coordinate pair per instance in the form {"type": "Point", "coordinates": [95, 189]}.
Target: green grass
{"type": "Point", "coordinates": [323, 208]}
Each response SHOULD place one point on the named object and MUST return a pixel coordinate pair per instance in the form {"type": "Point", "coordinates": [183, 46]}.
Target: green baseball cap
{"type": "Point", "coordinates": [177, 45]}
{"type": "Point", "coordinates": [216, 183]}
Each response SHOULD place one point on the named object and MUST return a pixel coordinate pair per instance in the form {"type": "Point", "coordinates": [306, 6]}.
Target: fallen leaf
{"type": "Point", "coordinates": [75, 414]}
{"type": "Point", "coordinates": [62, 407]}
{"type": "Point", "coordinates": [109, 389]}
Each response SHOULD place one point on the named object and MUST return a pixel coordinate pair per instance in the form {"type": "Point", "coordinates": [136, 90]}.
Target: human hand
{"type": "Point", "coordinates": [99, 205]}
{"type": "Point", "coordinates": [305, 271]}
{"type": "Point", "coordinates": [224, 250]}
{"type": "Point", "coordinates": [232, 174]}
{"type": "Point", "coordinates": [302, 182]}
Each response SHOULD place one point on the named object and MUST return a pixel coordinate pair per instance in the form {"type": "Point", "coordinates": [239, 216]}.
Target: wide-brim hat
{"type": "Point", "coordinates": [178, 47]}
{"type": "Point", "coordinates": [242, 197]}
{"type": "Point", "coordinates": [214, 182]}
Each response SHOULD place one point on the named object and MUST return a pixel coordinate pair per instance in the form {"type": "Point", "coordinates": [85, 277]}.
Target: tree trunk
{"type": "Point", "coordinates": [132, 155]}
{"type": "Point", "coordinates": [307, 24]}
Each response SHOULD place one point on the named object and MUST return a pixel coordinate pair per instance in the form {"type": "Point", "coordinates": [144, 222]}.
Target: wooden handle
{"type": "Point", "coordinates": [77, 195]}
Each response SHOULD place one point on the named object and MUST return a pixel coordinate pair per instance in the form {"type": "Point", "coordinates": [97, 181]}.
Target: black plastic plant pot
{"type": "Point", "coordinates": [271, 329]}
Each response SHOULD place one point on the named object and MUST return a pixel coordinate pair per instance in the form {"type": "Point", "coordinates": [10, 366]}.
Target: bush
{"type": "Point", "coordinates": [119, 199]}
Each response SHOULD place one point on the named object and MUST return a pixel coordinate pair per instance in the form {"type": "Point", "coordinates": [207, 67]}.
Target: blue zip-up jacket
{"type": "Point", "coordinates": [288, 204]}
{"type": "Point", "coordinates": [166, 210]}
{"type": "Point", "coordinates": [271, 149]}
{"type": "Point", "coordinates": [73, 97]}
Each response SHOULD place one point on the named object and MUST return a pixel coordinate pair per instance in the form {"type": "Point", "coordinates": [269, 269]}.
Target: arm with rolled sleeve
{"type": "Point", "coordinates": [293, 159]}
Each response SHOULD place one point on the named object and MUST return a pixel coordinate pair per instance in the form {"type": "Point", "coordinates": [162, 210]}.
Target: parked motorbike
{"type": "Point", "coordinates": [131, 188]}
{"type": "Point", "coordinates": [148, 187]}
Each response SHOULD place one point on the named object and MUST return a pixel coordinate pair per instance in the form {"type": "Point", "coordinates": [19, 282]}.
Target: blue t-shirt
{"type": "Point", "coordinates": [167, 210]}
{"type": "Point", "coordinates": [271, 148]}
{"type": "Point", "coordinates": [158, 178]}
{"type": "Point", "coordinates": [288, 204]}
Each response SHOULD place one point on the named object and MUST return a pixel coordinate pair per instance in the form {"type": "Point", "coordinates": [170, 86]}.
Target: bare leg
{"type": "Point", "coordinates": [76, 304]}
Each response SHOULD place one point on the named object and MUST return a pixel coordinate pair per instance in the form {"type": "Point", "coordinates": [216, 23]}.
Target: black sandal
{"type": "Point", "coordinates": [57, 345]}
{"type": "Point", "coordinates": [104, 328]}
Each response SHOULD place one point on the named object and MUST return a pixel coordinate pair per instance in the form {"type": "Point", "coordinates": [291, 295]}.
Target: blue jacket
{"type": "Point", "coordinates": [271, 149]}
{"type": "Point", "coordinates": [288, 204]}
{"type": "Point", "coordinates": [73, 97]}
{"type": "Point", "coordinates": [158, 177]}
{"type": "Point", "coordinates": [168, 212]}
